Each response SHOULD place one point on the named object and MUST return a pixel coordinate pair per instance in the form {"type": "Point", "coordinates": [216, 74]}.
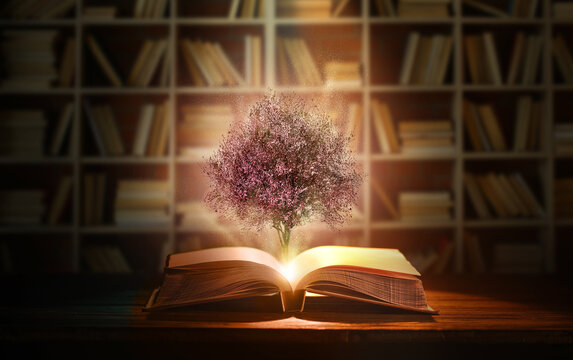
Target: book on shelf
{"type": "Point", "coordinates": [426, 59]}
{"type": "Point", "coordinates": [149, 9]}
{"type": "Point", "coordinates": [152, 130]}
{"type": "Point", "coordinates": [385, 128]}
{"type": "Point", "coordinates": [507, 195]}
{"type": "Point", "coordinates": [384, 198]}
{"type": "Point", "coordinates": [474, 127]}
{"type": "Point", "coordinates": [385, 8]}
{"type": "Point", "coordinates": [563, 138]}
{"type": "Point", "coordinates": [22, 133]}
{"type": "Point", "coordinates": [525, 59]}
{"type": "Point", "coordinates": [59, 201]}
{"type": "Point", "coordinates": [62, 127]}
{"type": "Point", "coordinates": [563, 58]}
{"type": "Point", "coordinates": [342, 73]}
{"type": "Point", "coordinates": [94, 191]}
{"type": "Point", "coordinates": [103, 61]}
{"type": "Point", "coordinates": [476, 196]}
{"type": "Point", "coordinates": [424, 8]}
{"type": "Point", "coordinates": [482, 58]}
{"type": "Point", "coordinates": [22, 206]}
{"type": "Point", "coordinates": [490, 121]}
{"type": "Point", "coordinates": [253, 60]}
{"type": "Point", "coordinates": [563, 195]}
{"type": "Point", "coordinates": [425, 205]}
{"type": "Point", "coordinates": [68, 63]}
{"type": "Point", "coordinates": [426, 137]}
{"type": "Point", "coordinates": [562, 10]}
{"type": "Point", "coordinates": [142, 202]}
{"type": "Point", "coordinates": [517, 258]}
{"type": "Point", "coordinates": [339, 6]}
{"type": "Point", "coordinates": [192, 277]}
{"type": "Point", "coordinates": [202, 126]}
{"type": "Point", "coordinates": [474, 253]}
{"type": "Point", "coordinates": [99, 12]}
{"type": "Point", "coordinates": [105, 259]}
{"type": "Point", "coordinates": [528, 121]}
{"type": "Point", "coordinates": [208, 64]}
{"type": "Point", "coordinates": [147, 61]}
{"type": "Point", "coordinates": [105, 129]}
{"type": "Point", "coordinates": [299, 59]}
{"type": "Point", "coordinates": [29, 58]}
{"type": "Point", "coordinates": [304, 8]}
{"type": "Point", "coordinates": [486, 8]}
{"type": "Point", "coordinates": [37, 9]}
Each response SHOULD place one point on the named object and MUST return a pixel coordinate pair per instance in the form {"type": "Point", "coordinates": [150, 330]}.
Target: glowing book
{"type": "Point", "coordinates": [379, 276]}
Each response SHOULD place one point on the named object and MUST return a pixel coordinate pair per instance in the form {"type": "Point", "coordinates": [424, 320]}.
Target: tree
{"type": "Point", "coordinates": [284, 165]}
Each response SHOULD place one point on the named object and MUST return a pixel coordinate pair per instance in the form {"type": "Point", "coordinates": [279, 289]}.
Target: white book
{"type": "Point", "coordinates": [143, 127]}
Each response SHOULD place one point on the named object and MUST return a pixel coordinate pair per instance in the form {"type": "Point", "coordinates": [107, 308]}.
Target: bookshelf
{"type": "Point", "coordinates": [359, 34]}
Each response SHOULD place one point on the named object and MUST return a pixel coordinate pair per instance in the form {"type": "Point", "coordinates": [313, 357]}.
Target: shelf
{"type": "Point", "coordinates": [35, 229]}
{"type": "Point", "coordinates": [125, 160]}
{"type": "Point", "coordinates": [125, 22]}
{"type": "Point", "coordinates": [218, 21]}
{"type": "Point", "coordinates": [319, 21]}
{"type": "Point", "coordinates": [503, 88]}
{"type": "Point", "coordinates": [124, 91]}
{"type": "Point", "coordinates": [412, 88]}
{"type": "Point", "coordinates": [115, 229]}
{"type": "Point", "coordinates": [505, 223]}
{"type": "Point", "coordinates": [37, 22]}
{"type": "Point", "coordinates": [479, 20]}
{"type": "Point", "coordinates": [410, 21]}
{"type": "Point", "coordinates": [411, 157]}
{"type": "Point", "coordinates": [505, 155]}
{"type": "Point", "coordinates": [407, 225]}
{"type": "Point", "coordinates": [42, 91]}
{"type": "Point", "coordinates": [218, 90]}
{"type": "Point", "coordinates": [36, 161]}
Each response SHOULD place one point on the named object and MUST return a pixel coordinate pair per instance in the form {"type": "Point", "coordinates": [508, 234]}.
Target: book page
{"type": "Point", "coordinates": [324, 256]}
{"type": "Point", "coordinates": [231, 253]}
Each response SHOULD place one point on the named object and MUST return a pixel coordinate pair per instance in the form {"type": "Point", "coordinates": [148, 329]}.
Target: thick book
{"type": "Point", "coordinates": [378, 276]}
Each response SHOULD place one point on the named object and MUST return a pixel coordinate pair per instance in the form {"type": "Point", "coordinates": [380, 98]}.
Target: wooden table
{"type": "Point", "coordinates": [514, 316]}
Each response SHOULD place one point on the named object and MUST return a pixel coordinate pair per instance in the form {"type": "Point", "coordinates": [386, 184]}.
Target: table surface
{"type": "Point", "coordinates": [474, 311]}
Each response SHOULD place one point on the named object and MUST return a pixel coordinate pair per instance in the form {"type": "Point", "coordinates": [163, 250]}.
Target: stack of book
{"type": "Point", "coordinates": [528, 132]}
{"type": "Point", "coordinates": [209, 65]}
{"type": "Point", "coordinates": [342, 73]}
{"type": "Point", "coordinates": [483, 127]}
{"type": "Point", "coordinates": [247, 9]}
{"type": "Point", "coordinates": [142, 202]}
{"type": "Point", "coordinates": [150, 9]}
{"type": "Point", "coordinates": [563, 195]}
{"type": "Point", "coordinates": [22, 133]}
{"type": "Point", "coordinates": [563, 58]}
{"type": "Point", "coordinates": [426, 59]}
{"type": "Point", "coordinates": [384, 127]}
{"type": "Point", "coordinates": [424, 8]}
{"type": "Point", "coordinates": [106, 259]}
{"type": "Point", "coordinates": [152, 130]}
{"type": "Point", "coordinates": [517, 258]}
{"type": "Point", "coordinates": [194, 216]}
{"type": "Point", "coordinates": [37, 9]}
{"type": "Point", "coordinates": [29, 58]}
{"type": "Point", "coordinates": [425, 205]}
{"type": "Point", "coordinates": [562, 10]}
{"type": "Point", "coordinates": [146, 63]}
{"type": "Point", "coordinates": [426, 137]}
{"type": "Point", "coordinates": [103, 124]}
{"type": "Point", "coordinates": [22, 207]}
{"type": "Point", "coordinates": [202, 128]}
{"type": "Point", "coordinates": [563, 138]}
{"type": "Point", "coordinates": [304, 8]}
{"type": "Point", "coordinates": [94, 198]}
{"type": "Point", "coordinates": [294, 57]}
{"type": "Point", "coordinates": [501, 195]}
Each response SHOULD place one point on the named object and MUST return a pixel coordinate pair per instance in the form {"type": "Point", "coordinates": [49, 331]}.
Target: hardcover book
{"type": "Point", "coordinates": [378, 276]}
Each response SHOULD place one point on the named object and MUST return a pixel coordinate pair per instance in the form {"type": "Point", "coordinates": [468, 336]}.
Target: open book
{"type": "Point", "coordinates": [379, 276]}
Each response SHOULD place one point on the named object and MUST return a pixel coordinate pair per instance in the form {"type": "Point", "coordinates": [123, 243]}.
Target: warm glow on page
{"type": "Point", "coordinates": [224, 254]}
{"type": "Point", "coordinates": [323, 256]}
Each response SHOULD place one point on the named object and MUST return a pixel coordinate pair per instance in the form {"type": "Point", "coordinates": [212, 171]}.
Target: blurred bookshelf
{"type": "Point", "coordinates": [141, 91]}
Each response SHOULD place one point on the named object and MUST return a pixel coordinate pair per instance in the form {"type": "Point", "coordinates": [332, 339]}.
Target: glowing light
{"type": "Point", "coordinates": [289, 271]}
